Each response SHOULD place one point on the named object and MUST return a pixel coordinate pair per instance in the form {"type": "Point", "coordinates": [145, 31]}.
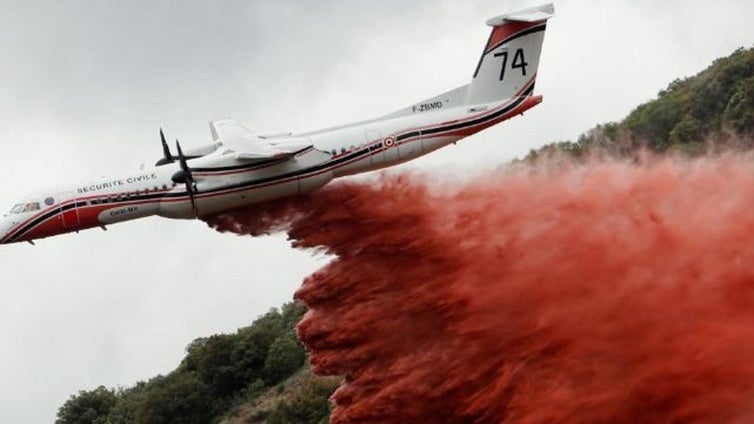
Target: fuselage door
{"type": "Point", "coordinates": [69, 212]}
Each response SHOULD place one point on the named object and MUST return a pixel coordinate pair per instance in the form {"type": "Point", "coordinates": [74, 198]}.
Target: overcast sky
{"type": "Point", "coordinates": [85, 86]}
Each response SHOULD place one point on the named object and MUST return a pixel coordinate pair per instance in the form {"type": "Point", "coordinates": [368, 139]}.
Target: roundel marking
{"type": "Point", "coordinates": [49, 201]}
{"type": "Point", "coordinates": [389, 142]}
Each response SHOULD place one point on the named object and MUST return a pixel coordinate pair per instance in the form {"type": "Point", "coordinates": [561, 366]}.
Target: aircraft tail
{"type": "Point", "coordinates": [509, 62]}
{"type": "Point", "coordinates": [507, 68]}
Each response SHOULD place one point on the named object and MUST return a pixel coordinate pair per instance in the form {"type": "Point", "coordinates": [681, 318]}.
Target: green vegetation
{"type": "Point", "coordinates": [219, 374]}
{"type": "Point", "coordinates": [310, 405]}
{"type": "Point", "coordinates": [88, 407]}
{"type": "Point", "coordinates": [302, 399]}
{"type": "Point", "coordinates": [716, 104]}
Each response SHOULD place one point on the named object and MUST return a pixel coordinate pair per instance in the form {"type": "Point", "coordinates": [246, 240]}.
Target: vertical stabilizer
{"type": "Point", "coordinates": [509, 62]}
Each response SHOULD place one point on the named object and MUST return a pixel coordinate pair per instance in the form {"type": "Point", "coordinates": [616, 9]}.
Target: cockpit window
{"type": "Point", "coordinates": [25, 207]}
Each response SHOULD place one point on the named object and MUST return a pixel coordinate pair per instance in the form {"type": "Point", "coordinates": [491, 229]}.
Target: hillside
{"type": "Point", "coordinates": [256, 375]}
{"type": "Point", "coordinates": [259, 374]}
{"type": "Point", "coordinates": [711, 110]}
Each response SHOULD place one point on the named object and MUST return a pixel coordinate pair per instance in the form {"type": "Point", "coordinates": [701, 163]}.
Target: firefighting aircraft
{"type": "Point", "coordinates": [240, 168]}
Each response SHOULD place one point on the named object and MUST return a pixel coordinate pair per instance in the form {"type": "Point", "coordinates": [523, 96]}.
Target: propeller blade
{"type": "Point", "coordinates": [182, 158]}
{"type": "Point", "coordinates": [167, 157]}
{"type": "Point", "coordinates": [191, 191]}
{"type": "Point", "coordinates": [165, 147]}
{"type": "Point", "coordinates": [188, 178]}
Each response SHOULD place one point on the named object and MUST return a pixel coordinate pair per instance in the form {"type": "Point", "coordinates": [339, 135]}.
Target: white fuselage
{"type": "Point", "coordinates": [224, 183]}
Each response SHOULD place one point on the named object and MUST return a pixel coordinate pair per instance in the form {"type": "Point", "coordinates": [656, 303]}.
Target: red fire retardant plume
{"type": "Point", "coordinates": [605, 292]}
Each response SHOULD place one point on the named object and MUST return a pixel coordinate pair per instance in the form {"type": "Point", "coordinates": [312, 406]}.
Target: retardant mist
{"type": "Point", "coordinates": [605, 292]}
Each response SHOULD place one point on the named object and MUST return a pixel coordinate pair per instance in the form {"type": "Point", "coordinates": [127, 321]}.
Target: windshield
{"type": "Point", "coordinates": [25, 207]}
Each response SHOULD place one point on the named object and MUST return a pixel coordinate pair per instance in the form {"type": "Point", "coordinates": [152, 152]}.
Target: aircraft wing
{"type": "Point", "coordinates": [247, 146]}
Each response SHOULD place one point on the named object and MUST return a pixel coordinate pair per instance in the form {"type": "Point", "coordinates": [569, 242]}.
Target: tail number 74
{"type": "Point", "coordinates": [519, 62]}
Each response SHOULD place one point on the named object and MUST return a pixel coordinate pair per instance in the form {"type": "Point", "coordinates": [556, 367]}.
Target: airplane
{"type": "Point", "coordinates": [240, 167]}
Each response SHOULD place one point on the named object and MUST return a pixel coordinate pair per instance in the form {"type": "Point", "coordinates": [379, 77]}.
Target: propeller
{"type": "Point", "coordinates": [167, 157]}
{"type": "Point", "coordinates": [184, 176]}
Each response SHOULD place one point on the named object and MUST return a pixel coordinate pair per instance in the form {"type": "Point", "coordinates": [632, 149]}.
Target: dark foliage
{"type": "Point", "coordinates": [87, 407]}
{"type": "Point", "coordinates": [716, 103]}
{"type": "Point", "coordinates": [216, 372]}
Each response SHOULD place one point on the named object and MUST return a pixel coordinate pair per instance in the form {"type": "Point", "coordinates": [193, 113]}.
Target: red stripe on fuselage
{"type": "Point", "coordinates": [88, 217]}
{"type": "Point", "coordinates": [89, 214]}
{"type": "Point", "coordinates": [465, 132]}
{"type": "Point", "coordinates": [471, 117]}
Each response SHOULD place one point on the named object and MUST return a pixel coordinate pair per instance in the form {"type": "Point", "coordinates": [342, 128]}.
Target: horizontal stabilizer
{"type": "Point", "coordinates": [534, 14]}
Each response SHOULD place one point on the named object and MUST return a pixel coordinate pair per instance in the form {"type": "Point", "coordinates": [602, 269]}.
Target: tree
{"type": "Point", "coordinates": [179, 398]}
{"type": "Point", "coordinates": [87, 407]}
{"type": "Point", "coordinates": [283, 359]}
{"type": "Point", "coordinates": [292, 312]}
{"type": "Point", "coordinates": [740, 108]}
{"type": "Point", "coordinates": [217, 373]}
